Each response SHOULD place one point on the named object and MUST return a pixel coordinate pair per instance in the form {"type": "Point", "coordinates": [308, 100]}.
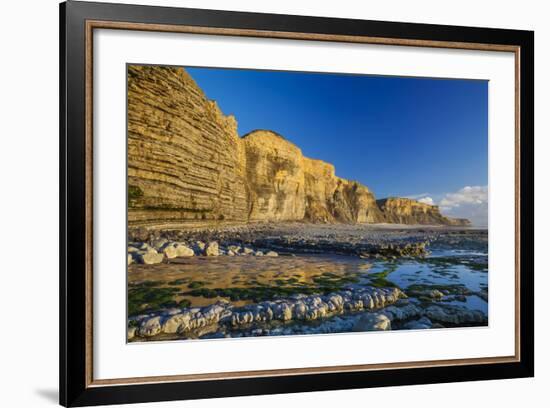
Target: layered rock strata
{"type": "Point", "coordinates": [407, 211]}
{"type": "Point", "coordinates": [275, 177]}
{"type": "Point", "coordinates": [187, 165]}
{"type": "Point", "coordinates": [284, 185]}
{"type": "Point", "coordinates": [186, 162]}
{"type": "Point", "coordinates": [334, 199]}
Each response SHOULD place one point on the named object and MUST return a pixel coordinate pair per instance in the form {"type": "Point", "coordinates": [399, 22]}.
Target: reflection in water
{"type": "Point", "coordinates": [196, 275]}
{"type": "Point", "coordinates": [201, 281]}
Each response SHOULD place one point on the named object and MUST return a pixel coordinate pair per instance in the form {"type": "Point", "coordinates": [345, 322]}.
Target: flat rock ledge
{"type": "Point", "coordinates": [376, 308]}
{"type": "Point", "coordinates": [414, 317]}
{"type": "Point", "coordinates": [347, 246]}
{"type": "Point", "coordinates": [297, 308]}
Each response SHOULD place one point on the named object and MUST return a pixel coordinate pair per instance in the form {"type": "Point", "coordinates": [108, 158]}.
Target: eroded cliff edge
{"type": "Point", "coordinates": [399, 210]}
{"type": "Point", "coordinates": [187, 165]}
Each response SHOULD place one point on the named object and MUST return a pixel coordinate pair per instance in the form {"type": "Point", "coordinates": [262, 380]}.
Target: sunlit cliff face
{"type": "Point", "coordinates": [187, 166]}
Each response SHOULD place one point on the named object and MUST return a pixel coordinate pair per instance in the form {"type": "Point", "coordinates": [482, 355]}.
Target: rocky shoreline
{"type": "Point", "coordinates": [384, 307]}
{"type": "Point", "coordinates": [327, 305]}
{"type": "Point", "coordinates": [269, 239]}
{"type": "Point", "coordinates": [163, 250]}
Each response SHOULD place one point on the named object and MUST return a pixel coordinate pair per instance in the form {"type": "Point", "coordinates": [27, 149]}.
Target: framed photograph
{"type": "Point", "coordinates": [256, 204]}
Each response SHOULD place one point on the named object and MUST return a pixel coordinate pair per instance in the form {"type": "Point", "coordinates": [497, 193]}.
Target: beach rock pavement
{"type": "Point", "coordinates": [374, 309]}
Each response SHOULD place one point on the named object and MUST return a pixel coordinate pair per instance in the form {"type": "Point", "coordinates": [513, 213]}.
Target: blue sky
{"type": "Point", "coordinates": [418, 137]}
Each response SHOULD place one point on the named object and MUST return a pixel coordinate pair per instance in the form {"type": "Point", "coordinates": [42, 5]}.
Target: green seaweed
{"type": "Point", "coordinates": [279, 288]}
{"type": "Point", "coordinates": [184, 303]}
{"type": "Point", "coordinates": [380, 279]}
{"type": "Point", "coordinates": [256, 293]}
{"type": "Point", "coordinates": [145, 297]}
{"type": "Point", "coordinates": [196, 285]}
{"type": "Point", "coordinates": [179, 282]}
{"type": "Point", "coordinates": [330, 280]}
{"type": "Point", "coordinates": [443, 262]}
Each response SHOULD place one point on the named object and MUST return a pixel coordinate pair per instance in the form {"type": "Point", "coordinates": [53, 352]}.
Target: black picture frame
{"type": "Point", "coordinates": [75, 387]}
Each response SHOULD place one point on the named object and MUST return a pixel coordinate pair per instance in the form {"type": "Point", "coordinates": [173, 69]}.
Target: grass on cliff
{"type": "Point", "coordinates": [134, 192]}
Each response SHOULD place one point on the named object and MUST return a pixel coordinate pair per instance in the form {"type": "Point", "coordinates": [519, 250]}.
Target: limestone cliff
{"type": "Point", "coordinates": [408, 211]}
{"type": "Point", "coordinates": [275, 177]}
{"type": "Point", "coordinates": [459, 222]}
{"type": "Point", "coordinates": [187, 165]}
{"type": "Point", "coordinates": [333, 199]}
{"type": "Point", "coordinates": [285, 185]}
{"type": "Point", "coordinates": [186, 161]}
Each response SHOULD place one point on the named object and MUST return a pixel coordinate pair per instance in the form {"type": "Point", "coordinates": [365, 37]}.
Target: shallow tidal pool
{"type": "Point", "coordinates": [200, 281]}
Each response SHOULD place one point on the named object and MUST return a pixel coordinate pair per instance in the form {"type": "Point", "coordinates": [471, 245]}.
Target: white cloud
{"type": "Point", "coordinates": [470, 202]}
{"type": "Point", "coordinates": [469, 195]}
{"type": "Point", "coordinates": [426, 200]}
{"type": "Point", "coordinates": [417, 196]}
